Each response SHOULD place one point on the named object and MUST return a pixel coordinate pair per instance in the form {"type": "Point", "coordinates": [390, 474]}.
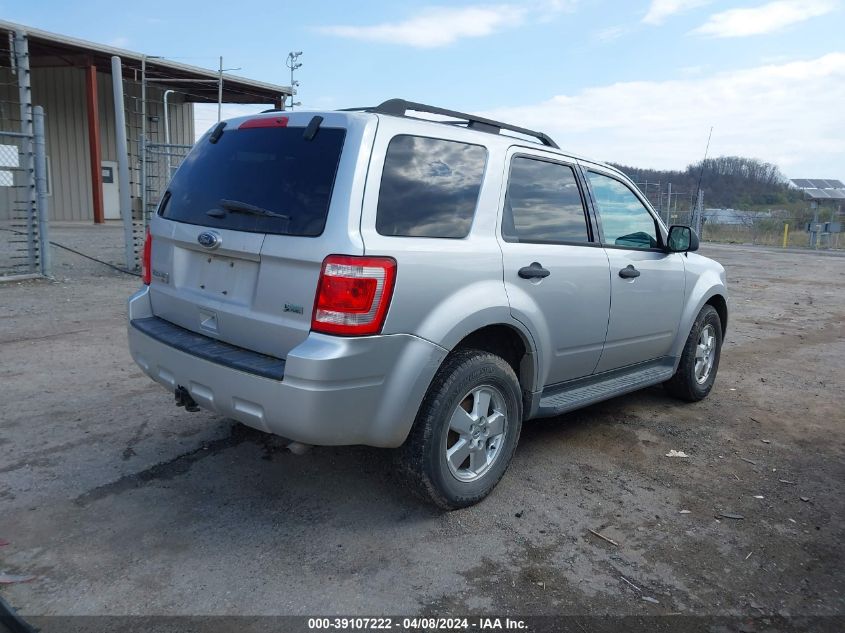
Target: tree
{"type": "Point", "coordinates": [729, 181]}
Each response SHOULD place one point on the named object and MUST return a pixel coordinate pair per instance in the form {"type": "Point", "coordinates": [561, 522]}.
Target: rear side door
{"type": "Point", "coordinates": [556, 274]}
{"type": "Point", "coordinates": [647, 284]}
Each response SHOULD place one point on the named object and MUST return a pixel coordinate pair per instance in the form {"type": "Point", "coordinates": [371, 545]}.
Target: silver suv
{"type": "Point", "coordinates": [372, 277]}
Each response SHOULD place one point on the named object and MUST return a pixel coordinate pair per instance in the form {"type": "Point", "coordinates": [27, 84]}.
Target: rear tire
{"type": "Point", "coordinates": [700, 359]}
{"type": "Point", "coordinates": [466, 430]}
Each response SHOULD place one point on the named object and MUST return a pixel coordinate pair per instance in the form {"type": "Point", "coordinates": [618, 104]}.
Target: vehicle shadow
{"type": "Point", "coordinates": [247, 481]}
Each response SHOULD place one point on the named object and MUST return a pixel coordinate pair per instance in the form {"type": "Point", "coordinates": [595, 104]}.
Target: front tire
{"type": "Point", "coordinates": [466, 430]}
{"type": "Point", "coordinates": [696, 372]}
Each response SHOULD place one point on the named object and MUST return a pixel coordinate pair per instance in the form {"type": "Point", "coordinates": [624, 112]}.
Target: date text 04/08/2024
{"type": "Point", "coordinates": [416, 624]}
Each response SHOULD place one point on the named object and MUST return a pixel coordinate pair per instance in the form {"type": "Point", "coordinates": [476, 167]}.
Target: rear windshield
{"type": "Point", "coordinates": [261, 180]}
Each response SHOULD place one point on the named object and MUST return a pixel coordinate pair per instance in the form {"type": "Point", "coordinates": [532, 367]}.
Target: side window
{"type": "Point", "coordinates": [429, 187]}
{"type": "Point", "coordinates": [543, 204]}
{"type": "Point", "coordinates": [625, 221]}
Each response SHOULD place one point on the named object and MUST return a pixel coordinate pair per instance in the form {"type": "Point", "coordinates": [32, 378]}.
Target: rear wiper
{"type": "Point", "coordinates": [236, 206]}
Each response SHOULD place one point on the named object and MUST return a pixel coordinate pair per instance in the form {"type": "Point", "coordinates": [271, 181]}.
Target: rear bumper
{"type": "Point", "coordinates": [334, 390]}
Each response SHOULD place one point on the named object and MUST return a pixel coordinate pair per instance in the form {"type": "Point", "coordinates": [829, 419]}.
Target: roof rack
{"type": "Point", "coordinates": [398, 107]}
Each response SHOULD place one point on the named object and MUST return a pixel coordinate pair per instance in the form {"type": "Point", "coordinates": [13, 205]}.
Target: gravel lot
{"type": "Point", "coordinates": [117, 502]}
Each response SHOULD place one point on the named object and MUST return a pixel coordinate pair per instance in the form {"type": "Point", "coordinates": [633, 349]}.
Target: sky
{"type": "Point", "coordinates": [639, 82]}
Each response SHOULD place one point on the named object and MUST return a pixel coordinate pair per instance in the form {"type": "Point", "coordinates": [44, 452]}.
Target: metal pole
{"type": "Point", "coordinates": [167, 118]}
{"type": "Point", "coordinates": [122, 161]}
{"type": "Point", "coordinates": [292, 63]}
{"type": "Point", "coordinates": [167, 131]}
{"type": "Point", "coordinates": [700, 207]}
{"type": "Point", "coordinates": [659, 197]}
{"type": "Point", "coordinates": [94, 144]}
{"type": "Point", "coordinates": [25, 100]}
{"type": "Point", "coordinates": [220, 91]}
{"type": "Point", "coordinates": [668, 204]}
{"type": "Point", "coordinates": [142, 150]}
{"type": "Point", "coordinates": [142, 144]}
{"type": "Point", "coordinates": [42, 203]}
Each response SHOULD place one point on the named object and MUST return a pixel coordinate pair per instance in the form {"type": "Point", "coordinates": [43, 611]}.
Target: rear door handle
{"type": "Point", "coordinates": [534, 271]}
{"type": "Point", "coordinates": [629, 272]}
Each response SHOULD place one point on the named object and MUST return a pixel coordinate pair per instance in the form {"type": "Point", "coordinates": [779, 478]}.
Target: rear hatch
{"type": "Point", "coordinates": [244, 226]}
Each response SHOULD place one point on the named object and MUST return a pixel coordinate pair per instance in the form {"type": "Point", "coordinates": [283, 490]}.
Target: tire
{"type": "Point", "coordinates": [690, 383]}
{"type": "Point", "coordinates": [461, 383]}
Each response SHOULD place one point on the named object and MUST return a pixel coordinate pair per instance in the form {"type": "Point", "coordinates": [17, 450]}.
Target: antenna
{"type": "Point", "coordinates": [697, 203]}
{"type": "Point", "coordinates": [701, 171]}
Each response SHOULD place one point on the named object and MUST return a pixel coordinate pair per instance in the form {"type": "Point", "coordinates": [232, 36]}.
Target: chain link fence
{"type": "Point", "coordinates": [18, 217]}
{"type": "Point", "coordinates": [802, 228]}
{"type": "Point", "coordinates": [785, 229]}
{"type": "Point", "coordinates": [161, 160]}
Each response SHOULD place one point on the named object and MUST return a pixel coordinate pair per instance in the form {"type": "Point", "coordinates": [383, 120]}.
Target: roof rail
{"type": "Point", "coordinates": [398, 107]}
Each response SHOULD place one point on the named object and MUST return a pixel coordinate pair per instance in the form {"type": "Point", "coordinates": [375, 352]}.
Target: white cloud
{"type": "Point", "coordinates": [437, 26]}
{"type": "Point", "coordinates": [610, 33]}
{"type": "Point", "coordinates": [763, 19]}
{"type": "Point", "coordinates": [659, 10]}
{"type": "Point", "coordinates": [790, 114]}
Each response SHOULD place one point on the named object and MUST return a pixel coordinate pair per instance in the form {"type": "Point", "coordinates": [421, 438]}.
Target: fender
{"type": "Point", "coordinates": [703, 281]}
{"type": "Point", "coordinates": [472, 308]}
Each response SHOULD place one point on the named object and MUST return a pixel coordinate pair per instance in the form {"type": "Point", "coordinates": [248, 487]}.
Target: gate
{"type": "Point", "coordinates": [158, 166]}
{"type": "Point", "coordinates": [23, 203]}
{"type": "Point", "coordinates": [24, 250]}
{"type": "Point", "coordinates": [18, 221]}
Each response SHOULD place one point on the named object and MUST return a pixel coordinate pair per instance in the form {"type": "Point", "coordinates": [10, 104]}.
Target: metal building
{"type": "Point", "coordinates": [71, 79]}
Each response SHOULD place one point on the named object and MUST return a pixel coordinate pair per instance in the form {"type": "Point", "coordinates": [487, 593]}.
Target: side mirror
{"type": "Point", "coordinates": [682, 239]}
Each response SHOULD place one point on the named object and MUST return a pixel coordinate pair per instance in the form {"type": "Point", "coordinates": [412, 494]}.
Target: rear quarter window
{"type": "Point", "coordinates": [429, 187]}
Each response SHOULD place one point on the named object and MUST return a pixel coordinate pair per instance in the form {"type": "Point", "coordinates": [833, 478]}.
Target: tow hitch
{"type": "Point", "coordinates": [184, 399]}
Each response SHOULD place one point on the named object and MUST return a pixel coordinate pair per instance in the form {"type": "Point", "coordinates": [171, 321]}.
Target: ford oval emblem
{"type": "Point", "coordinates": [209, 239]}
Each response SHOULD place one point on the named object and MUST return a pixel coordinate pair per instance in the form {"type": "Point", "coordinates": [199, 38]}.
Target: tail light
{"type": "Point", "coordinates": [146, 268]}
{"type": "Point", "coordinates": [353, 295]}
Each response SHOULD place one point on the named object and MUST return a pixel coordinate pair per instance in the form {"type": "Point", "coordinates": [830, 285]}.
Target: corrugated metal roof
{"type": "Point", "coordinates": [237, 89]}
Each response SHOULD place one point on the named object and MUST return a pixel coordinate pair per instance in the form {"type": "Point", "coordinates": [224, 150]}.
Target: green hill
{"type": "Point", "coordinates": [727, 181]}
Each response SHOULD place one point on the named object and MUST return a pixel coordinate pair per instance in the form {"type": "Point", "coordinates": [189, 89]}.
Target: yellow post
{"type": "Point", "coordinates": [785, 234]}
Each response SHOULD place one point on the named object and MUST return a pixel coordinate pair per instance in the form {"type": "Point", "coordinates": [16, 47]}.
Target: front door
{"type": "Point", "coordinates": [647, 284]}
{"type": "Point", "coordinates": [111, 191]}
{"type": "Point", "coordinates": [556, 275]}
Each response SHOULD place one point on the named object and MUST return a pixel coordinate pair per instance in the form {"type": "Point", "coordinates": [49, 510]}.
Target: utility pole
{"type": "Point", "coordinates": [293, 63]}
{"type": "Point", "coordinates": [220, 88]}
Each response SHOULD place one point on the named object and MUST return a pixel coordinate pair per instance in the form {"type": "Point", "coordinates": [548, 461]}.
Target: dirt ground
{"type": "Point", "coordinates": [117, 502]}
